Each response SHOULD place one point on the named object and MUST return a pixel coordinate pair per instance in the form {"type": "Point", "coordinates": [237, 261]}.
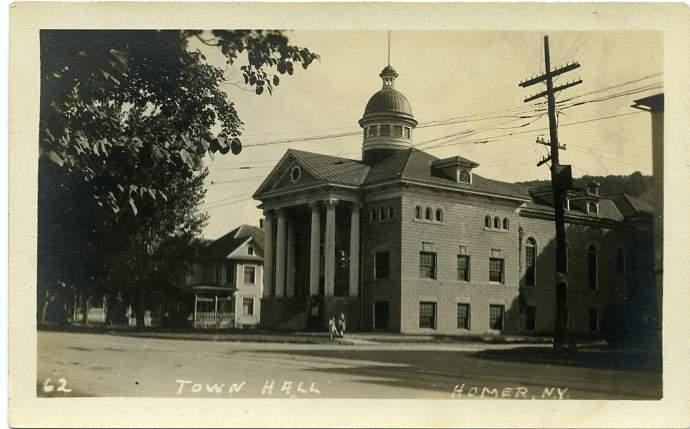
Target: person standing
{"type": "Point", "coordinates": [341, 325]}
{"type": "Point", "coordinates": [332, 328]}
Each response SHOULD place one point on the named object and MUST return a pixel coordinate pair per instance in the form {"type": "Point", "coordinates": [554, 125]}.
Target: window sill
{"type": "Point", "coordinates": [376, 222]}
{"type": "Point", "coordinates": [497, 283]}
{"type": "Point", "coordinates": [428, 222]}
{"type": "Point", "coordinates": [505, 231]}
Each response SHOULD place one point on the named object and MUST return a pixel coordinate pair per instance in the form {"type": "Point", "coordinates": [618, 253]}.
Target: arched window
{"type": "Point", "coordinates": [380, 213]}
{"type": "Point", "coordinates": [439, 215]}
{"type": "Point", "coordinates": [390, 212]}
{"type": "Point", "coordinates": [418, 212]}
{"type": "Point", "coordinates": [530, 262]}
{"type": "Point", "coordinates": [506, 223]}
{"type": "Point", "coordinates": [250, 250]}
{"type": "Point", "coordinates": [428, 213]}
{"type": "Point", "coordinates": [487, 222]}
{"type": "Point", "coordinates": [592, 208]}
{"type": "Point", "coordinates": [497, 222]}
{"type": "Point", "coordinates": [592, 262]}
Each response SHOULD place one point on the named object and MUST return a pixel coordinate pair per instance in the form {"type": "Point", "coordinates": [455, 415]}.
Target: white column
{"type": "Point", "coordinates": [354, 251]}
{"type": "Point", "coordinates": [280, 255]}
{"type": "Point", "coordinates": [329, 248]}
{"type": "Point", "coordinates": [268, 255]}
{"type": "Point", "coordinates": [315, 249]}
{"type": "Point", "coordinates": [290, 286]}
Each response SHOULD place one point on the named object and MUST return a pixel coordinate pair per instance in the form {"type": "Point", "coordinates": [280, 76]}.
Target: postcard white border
{"type": "Point", "coordinates": [27, 18]}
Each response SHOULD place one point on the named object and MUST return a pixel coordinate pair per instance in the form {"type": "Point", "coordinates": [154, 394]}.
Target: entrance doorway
{"type": "Point", "coordinates": [381, 316]}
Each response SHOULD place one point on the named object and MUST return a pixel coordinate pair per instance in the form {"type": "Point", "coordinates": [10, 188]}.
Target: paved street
{"type": "Point", "coordinates": [83, 364]}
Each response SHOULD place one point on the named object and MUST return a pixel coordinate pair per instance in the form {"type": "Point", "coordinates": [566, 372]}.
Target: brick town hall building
{"type": "Point", "coordinates": [403, 241]}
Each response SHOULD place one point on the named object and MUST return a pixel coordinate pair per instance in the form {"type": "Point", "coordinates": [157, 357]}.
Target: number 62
{"type": "Point", "coordinates": [62, 387]}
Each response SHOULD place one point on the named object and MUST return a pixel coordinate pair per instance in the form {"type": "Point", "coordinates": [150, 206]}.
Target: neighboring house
{"type": "Point", "coordinates": [227, 283]}
{"type": "Point", "coordinates": [404, 241]}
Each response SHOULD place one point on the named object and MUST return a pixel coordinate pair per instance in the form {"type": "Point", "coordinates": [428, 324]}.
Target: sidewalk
{"type": "Point", "coordinates": [301, 337]}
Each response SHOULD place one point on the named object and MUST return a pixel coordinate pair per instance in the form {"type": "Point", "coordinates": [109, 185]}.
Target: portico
{"type": "Point", "coordinates": [311, 246]}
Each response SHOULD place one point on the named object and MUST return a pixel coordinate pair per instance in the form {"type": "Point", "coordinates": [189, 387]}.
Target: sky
{"type": "Point", "coordinates": [465, 84]}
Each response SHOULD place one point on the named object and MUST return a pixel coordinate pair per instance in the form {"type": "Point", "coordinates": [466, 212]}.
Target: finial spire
{"type": "Point", "coordinates": [389, 48]}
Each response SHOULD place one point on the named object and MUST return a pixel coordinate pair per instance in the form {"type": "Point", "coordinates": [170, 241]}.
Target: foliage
{"type": "Point", "coordinates": [110, 99]}
{"type": "Point", "coordinates": [126, 120]}
{"type": "Point", "coordinates": [635, 184]}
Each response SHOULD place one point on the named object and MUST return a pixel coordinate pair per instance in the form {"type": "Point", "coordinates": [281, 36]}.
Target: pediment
{"type": "Point", "coordinates": [288, 173]}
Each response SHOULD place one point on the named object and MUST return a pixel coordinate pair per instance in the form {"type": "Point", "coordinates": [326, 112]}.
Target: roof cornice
{"type": "Point", "coordinates": [447, 188]}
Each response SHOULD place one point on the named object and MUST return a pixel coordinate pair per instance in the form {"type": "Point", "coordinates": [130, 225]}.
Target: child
{"type": "Point", "coordinates": [331, 327]}
{"type": "Point", "coordinates": [341, 324]}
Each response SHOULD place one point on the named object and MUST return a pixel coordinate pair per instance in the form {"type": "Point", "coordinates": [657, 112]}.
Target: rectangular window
{"type": "Point", "coordinates": [593, 320]}
{"type": "Point", "coordinates": [385, 130]}
{"type": "Point", "coordinates": [463, 316]}
{"type": "Point", "coordinates": [592, 262]}
{"type": "Point", "coordinates": [496, 270]}
{"type": "Point", "coordinates": [373, 131]}
{"type": "Point", "coordinates": [620, 261]}
{"type": "Point", "coordinates": [531, 318]}
{"type": "Point", "coordinates": [219, 273]}
{"type": "Point", "coordinates": [229, 273]}
{"type": "Point", "coordinates": [464, 268]}
{"type": "Point", "coordinates": [408, 132]}
{"type": "Point", "coordinates": [248, 306]}
{"type": "Point", "coordinates": [381, 265]}
{"type": "Point", "coordinates": [531, 265]}
{"type": "Point", "coordinates": [427, 265]}
{"type": "Point", "coordinates": [427, 315]}
{"type": "Point", "coordinates": [249, 274]}
{"type": "Point", "coordinates": [496, 317]}
{"type": "Point", "coordinates": [397, 131]}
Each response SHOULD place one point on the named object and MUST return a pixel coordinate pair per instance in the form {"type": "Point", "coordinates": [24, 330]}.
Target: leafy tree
{"type": "Point", "coordinates": [635, 184]}
{"type": "Point", "coordinates": [126, 120]}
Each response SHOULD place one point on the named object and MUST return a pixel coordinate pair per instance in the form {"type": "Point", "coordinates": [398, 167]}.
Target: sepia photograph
{"type": "Point", "coordinates": [254, 213]}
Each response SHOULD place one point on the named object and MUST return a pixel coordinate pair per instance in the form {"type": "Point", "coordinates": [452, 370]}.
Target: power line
{"type": "Point", "coordinates": [243, 179]}
{"type": "Point", "coordinates": [516, 112]}
{"type": "Point", "coordinates": [490, 138]}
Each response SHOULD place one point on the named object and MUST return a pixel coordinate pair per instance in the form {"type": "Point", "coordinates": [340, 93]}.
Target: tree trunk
{"type": "Point", "coordinates": [44, 310]}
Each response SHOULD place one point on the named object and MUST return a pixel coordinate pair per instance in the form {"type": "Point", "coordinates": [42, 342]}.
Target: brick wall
{"type": "Point", "coordinates": [462, 225]}
{"type": "Point", "coordinates": [608, 298]}
{"type": "Point", "coordinates": [381, 236]}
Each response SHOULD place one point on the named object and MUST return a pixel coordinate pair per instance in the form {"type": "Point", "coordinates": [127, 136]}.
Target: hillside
{"type": "Point", "coordinates": [635, 184]}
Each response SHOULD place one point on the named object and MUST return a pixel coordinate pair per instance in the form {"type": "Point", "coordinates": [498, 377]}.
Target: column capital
{"type": "Point", "coordinates": [314, 204]}
{"type": "Point", "coordinates": [356, 205]}
{"type": "Point", "coordinates": [331, 202]}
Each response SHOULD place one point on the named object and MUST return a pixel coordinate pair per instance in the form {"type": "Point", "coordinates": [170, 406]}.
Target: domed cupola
{"type": "Point", "coordinates": [387, 122]}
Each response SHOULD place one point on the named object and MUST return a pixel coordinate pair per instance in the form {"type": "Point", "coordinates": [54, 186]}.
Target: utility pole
{"type": "Point", "coordinates": [561, 182]}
